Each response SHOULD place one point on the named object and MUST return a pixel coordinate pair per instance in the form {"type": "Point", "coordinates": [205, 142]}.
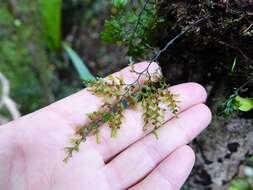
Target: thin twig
{"type": "Point", "coordinates": [139, 15]}
{"type": "Point", "coordinates": [237, 49]}
{"type": "Point", "coordinates": [168, 44]}
{"type": "Point", "coordinates": [243, 86]}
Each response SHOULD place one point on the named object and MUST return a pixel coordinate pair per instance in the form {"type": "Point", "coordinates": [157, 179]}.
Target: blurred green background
{"type": "Point", "coordinates": [39, 68]}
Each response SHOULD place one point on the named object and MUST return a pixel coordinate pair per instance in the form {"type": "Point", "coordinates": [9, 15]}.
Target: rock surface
{"type": "Point", "coordinates": [220, 151]}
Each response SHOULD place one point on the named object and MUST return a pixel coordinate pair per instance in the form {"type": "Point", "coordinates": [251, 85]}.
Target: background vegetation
{"type": "Point", "coordinates": [48, 46]}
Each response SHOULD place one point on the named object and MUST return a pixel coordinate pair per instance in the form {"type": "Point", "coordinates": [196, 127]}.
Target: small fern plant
{"type": "Point", "coordinates": [151, 93]}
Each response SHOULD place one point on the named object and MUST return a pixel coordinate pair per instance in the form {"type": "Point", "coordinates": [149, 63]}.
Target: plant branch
{"type": "Point", "coordinates": [168, 44]}
{"type": "Point", "coordinates": [137, 91]}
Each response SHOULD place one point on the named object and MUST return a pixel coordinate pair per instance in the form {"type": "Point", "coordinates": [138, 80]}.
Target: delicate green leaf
{"type": "Point", "coordinates": [17, 23]}
{"type": "Point", "coordinates": [119, 3]}
{"type": "Point", "coordinates": [106, 117]}
{"type": "Point", "coordinates": [126, 28]}
{"type": "Point", "coordinates": [50, 11]}
{"type": "Point", "coordinates": [112, 33]}
{"type": "Point", "coordinates": [240, 184]}
{"type": "Point", "coordinates": [244, 104]}
{"type": "Point", "coordinates": [78, 63]}
{"type": "Point", "coordinates": [233, 188]}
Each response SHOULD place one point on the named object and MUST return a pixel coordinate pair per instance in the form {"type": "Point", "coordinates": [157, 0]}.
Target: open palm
{"type": "Point", "coordinates": [31, 148]}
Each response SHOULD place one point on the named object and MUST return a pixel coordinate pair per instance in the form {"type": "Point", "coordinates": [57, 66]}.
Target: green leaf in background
{"type": "Point", "coordinates": [251, 159]}
{"type": "Point", "coordinates": [244, 104]}
{"type": "Point", "coordinates": [119, 3]}
{"type": "Point", "coordinates": [50, 11]}
{"type": "Point", "coordinates": [240, 184]}
{"type": "Point", "coordinates": [78, 63]}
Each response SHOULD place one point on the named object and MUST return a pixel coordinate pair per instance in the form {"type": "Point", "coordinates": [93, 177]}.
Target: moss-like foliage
{"type": "Point", "coordinates": [131, 25]}
{"type": "Point", "coordinates": [151, 93]}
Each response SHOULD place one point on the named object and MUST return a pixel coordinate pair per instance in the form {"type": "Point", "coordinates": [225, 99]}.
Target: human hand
{"type": "Point", "coordinates": [31, 148]}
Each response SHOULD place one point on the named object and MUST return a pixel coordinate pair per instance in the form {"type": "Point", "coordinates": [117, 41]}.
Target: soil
{"type": "Point", "coordinates": [205, 55]}
{"type": "Point", "coordinates": [220, 151]}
